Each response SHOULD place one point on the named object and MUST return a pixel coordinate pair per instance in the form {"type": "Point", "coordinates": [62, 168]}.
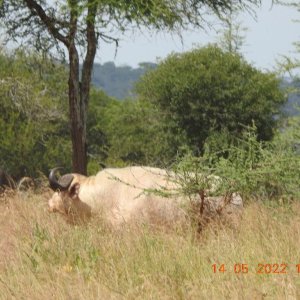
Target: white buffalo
{"type": "Point", "coordinates": [121, 195]}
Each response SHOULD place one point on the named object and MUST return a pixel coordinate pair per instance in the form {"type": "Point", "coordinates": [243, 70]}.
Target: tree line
{"type": "Point", "coordinates": [77, 28]}
{"type": "Point", "coordinates": [206, 110]}
{"type": "Point", "coordinates": [205, 96]}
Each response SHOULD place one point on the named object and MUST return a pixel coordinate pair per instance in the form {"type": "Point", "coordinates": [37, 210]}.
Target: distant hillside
{"type": "Point", "coordinates": [118, 81]}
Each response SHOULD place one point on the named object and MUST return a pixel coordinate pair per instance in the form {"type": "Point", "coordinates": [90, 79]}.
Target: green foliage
{"type": "Point", "coordinates": [33, 122]}
{"type": "Point", "coordinates": [28, 20]}
{"type": "Point", "coordinates": [170, 15]}
{"type": "Point", "coordinates": [79, 26]}
{"type": "Point", "coordinates": [130, 132]}
{"type": "Point", "coordinates": [232, 36]}
{"type": "Point", "coordinates": [133, 133]}
{"type": "Point", "coordinates": [256, 169]}
{"type": "Point", "coordinates": [209, 90]}
{"type": "Point", "coordinates": [97, 139]}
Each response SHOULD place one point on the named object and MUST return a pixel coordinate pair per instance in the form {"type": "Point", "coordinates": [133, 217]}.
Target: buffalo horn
{"type": "Point", "coordinates": [61, 184]}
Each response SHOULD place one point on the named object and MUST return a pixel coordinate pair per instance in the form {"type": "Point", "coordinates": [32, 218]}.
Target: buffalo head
{"type": "Point", "coordinates": [65, 199]}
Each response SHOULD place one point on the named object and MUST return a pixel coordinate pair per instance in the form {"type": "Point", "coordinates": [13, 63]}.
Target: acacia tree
{"type": "Point", "coordinates": [79, 25]}
{"type": "Point", "coordinates": [232, 35]}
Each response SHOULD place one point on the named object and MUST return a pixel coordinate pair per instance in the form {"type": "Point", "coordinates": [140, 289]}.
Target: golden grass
{"type": "Point", "coordinates": [42, 257]}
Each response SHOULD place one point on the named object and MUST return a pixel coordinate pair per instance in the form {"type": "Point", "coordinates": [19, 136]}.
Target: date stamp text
{"type": "Point", "coordinates": [264, 268]}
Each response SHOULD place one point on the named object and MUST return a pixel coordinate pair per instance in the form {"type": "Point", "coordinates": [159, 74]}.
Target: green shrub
{"type": "Point", "coordinates": [256, 169]}
{"type": "Point", "coordinates": [34, 131]}
{"type": "Point", "coordinates": [207, 90]}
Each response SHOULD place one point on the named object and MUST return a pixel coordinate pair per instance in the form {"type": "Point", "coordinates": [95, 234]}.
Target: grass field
{"type": "Point", "coordinates": [42, 257]}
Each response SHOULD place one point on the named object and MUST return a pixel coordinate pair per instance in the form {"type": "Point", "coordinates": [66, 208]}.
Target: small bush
{"type": "Point", "coordinates": [254, 168]}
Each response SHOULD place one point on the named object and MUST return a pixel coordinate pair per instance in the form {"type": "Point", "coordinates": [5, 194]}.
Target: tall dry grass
{"type": "Point", "coordinates": [42, 257]}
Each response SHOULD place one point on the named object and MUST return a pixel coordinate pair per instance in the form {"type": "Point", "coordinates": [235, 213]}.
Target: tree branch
{"type": "Point", "coordinates": [49, 22]}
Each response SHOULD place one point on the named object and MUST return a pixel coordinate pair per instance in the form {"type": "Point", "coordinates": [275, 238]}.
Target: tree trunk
{"type": "Point", "coordinates": [81, 98]}
{"type": "Point", "coordinates": [87, 67]}
{"type": "Point", "coordinates": [78, 94]}
{"type": "Point", "coordinates": [78, 111]}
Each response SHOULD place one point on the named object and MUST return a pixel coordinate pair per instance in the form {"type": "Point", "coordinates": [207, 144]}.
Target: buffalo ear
{"type": "Point", "coordinates": [74, 191]}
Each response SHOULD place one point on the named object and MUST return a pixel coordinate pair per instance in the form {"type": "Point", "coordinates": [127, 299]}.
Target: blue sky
{"type": "Point", "coordinates": [272, 34]}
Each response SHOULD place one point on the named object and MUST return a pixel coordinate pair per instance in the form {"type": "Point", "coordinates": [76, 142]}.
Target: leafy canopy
{"type": "Point", "coordinates": [129, 133]}
{"type": "Point", "coordinates": [33, 122]}
{"type": "Point", "coordinates": [28, 19]}
{"type": "Point", "coordinates": [209, 90]}
{"type": "Point", "coordinates": [80, 25]}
